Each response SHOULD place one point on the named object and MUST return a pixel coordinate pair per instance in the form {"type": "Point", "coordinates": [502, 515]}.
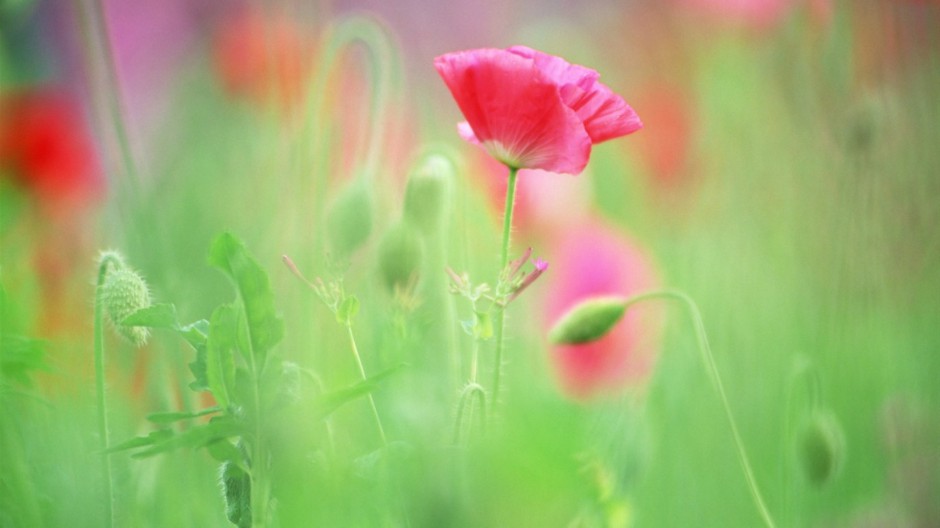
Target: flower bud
{"type": "Point", "coordinates": [820, 448]}
{"type": "Point", "coordinates": [427, 195]}
{"type": "Point", "coordinates": [588, 321]}
{"type": "Point", "coordinates": [236, 490]}
{"type": "Point", "coordinates": [400, 254]}
{"type": "Point", "coordinates": [123, 293]}
{"type": "Point", "coordinates": [349, 219]}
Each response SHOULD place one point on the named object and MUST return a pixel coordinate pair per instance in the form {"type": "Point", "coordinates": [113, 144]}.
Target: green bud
{"type": "Point", "coordinates": [427, 195]}
{"type": "Point", "coordinates": [236, 490]}
{"type": "Point", "coordinates": [820, 447]}
{"type": "Point", "coordinates": [349, 219]}
{"type": "Point", "coordinates": [123, 293]}
{"type": "Point", "coordinates": [588, 321]}
{"type": "Point", "coordinates": [400, 254]}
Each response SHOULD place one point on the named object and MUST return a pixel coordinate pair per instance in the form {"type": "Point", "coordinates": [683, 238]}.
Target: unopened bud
{"type": "Point", "coordinates": [427, 195]}
{"type": "Point", "coordinates": [588, 321]}
{"type": "Point", "coordinates": [236, 490]}
{"type": "Point", "coordinates": [821, 447]}
{"type": "Point", "coordinates": [400, 254]}
{"type": "Point", "coordinates": [349, 220]}
{"type": "Point", "coordinates": [123, 293]}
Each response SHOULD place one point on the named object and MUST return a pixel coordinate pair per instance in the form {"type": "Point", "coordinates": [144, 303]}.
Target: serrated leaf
{"type": "Point", "coordinates": [155, 437]}
{"type": "Point", "coordinates": [194, 437]}
{"type": "Point", "coordinates": [347, 310]}
{"type": "Point", "coordinates": [161, 315]}
{"type": "Point", "coordinates": [329, 402]}
{"type": "Point", "coordinates": [220, 353]}
{"type": "Point", "coordinates": [265, 328]}
{"type": "Point", "coordinates": [175, 416]}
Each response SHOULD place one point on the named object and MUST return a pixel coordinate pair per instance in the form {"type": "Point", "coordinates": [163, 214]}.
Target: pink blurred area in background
{"type": "Point", "coordinates": [46, 148]}
{"type": "Point", "coordinates": [594, 259]}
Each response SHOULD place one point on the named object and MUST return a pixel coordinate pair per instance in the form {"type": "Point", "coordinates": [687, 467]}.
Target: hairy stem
{"type": "Point", "coordinates": [103, 430]}
{"type": "Point", "coordinates": [709, 362]}
{"type": "Point", "coordinates": [503, 261]}
{"type": "Point", "coordinates": [362, 372]}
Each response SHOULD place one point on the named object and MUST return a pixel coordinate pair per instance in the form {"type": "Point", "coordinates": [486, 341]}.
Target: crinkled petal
{"type": "Point", "coordinates": [605, 114]}
{"type": "Point", "coordinates": [560, 71]}
{"type": "Point", "coordinates": [515, 110]}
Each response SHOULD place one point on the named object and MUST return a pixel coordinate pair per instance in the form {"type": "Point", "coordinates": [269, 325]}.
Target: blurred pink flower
{"type": "Point", "coordinates": [532, 110]}
{"type": "Point", "coordinates": [594, 260]}
{"type": "Point", "coordinates": [47, 150]}
{"type": "Point", "coordinates": [757, 13]}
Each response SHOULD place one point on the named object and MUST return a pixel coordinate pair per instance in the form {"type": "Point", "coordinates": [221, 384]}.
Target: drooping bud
{"type": "Point", "coordinates": [236, 490]}
{"type": "Point", "coordinates": [349, 219]}
{"type": "Point", "coordinates": [427, 195]}
{"type": "Point", "coordinates": [588, 321]}
{"type": "Point", "coordinates": [124, 292]}
{"type": "Point", "coordinates": [400, 254]}
{"type": "Point", "coordinates": [820, 446]}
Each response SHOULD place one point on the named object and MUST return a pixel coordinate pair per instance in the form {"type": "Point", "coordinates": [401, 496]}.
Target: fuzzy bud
{"type": "Point", "coordinates": [400, 254]}
{"type": "Point", "coordinates": [123, 293]}
{"type": "Point", "coordinates": [820, 448]}
{"type": "Point", "coordinates": [588, 321]}
{"type": "Point", "coordinates": [236, 490]}
{"type": "Point", "coordinates": [349, 219]}
{"type": "Point", "coordinates": [427, 195]}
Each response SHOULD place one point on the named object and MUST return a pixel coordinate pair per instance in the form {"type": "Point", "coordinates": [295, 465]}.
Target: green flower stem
{"type": "Point", "coordinates": [471, 390]}
{"type": "Point", "coordinates": [362, 372]}
{"type": "Point", "coordinates": [504, 260]}
{"type": "Point", "coordinates": [103, 430]}
{"type": "Point", "coordinates": [712, 369]}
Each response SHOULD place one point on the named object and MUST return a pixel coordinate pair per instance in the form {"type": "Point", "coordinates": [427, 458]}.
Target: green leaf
{"type": "Point", "coordinates": [334, 400]}
{"type": "Point", "coordinates": [224, 451]}
{"type": "Point", "coordinates": [161, 315]}
{"type": "Point", "coordinates": [195, 437]}
{"type": "Point", "coordinates": [155, 437]}
{"type": "Point", "coordinates": [588, 321]}
{"type": "Point", "coordinates": [265, 328]}
{"type": "Point", "coordinates": [175, 416]}
{"type": "Point", "coordinates": [220, 353]}
{"type": "Point", "coordinates": [195, 333]}
{"type": "Point", "coordinates": [19, 356]}
{"type": "Point", "coordinates": [347, 310]}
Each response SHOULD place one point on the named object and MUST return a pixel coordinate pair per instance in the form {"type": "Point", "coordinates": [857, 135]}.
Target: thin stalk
{"type": "Point", "coordinates": [503, 261]}
{"type": "Point", "coordinates": [103, 430]}
{"type": "Point", "coordinates": [471, 390]}
{"type": "Point", "coordinates": [362, 372]}
{"type": "Point", "coordinates": [709, 361]}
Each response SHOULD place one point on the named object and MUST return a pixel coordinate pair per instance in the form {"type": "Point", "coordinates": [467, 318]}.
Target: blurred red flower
{"type": "Point", "coordinates": [532, 110]}
{"type": "Point", "coordinates": [264, 59]}
{"type": "Point", "coordinates": [45, 147]}
{"type": "Point", "coordinates": [593, 260]}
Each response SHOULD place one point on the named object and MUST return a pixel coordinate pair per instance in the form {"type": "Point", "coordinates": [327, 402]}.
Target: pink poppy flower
{"type": "Point", "coordinates": [532, 110]}
{"type": "Point", "coordinates": [593, 260]}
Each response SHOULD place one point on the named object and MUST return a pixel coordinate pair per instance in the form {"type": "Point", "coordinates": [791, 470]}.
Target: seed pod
{"type": "Point", "coordinates": [236, 490]}
{"type": "Point", "coordinates": [400, 254]}
{"type": "Point", "coordinates": [123, 293]}
{"type": "Point", "coordinates": [349, 220]}
{"type": "Point", "coordinates": [821, 447]}
{"type": "Point", "coordinates": [588, 321]}
{"type": "Point", "coordinates": [427, 195]}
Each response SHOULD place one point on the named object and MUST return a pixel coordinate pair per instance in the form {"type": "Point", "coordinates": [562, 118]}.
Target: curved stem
{"type": "Point", "coordinates": [503, 261]}
{"type": "Point", "coordinates": [103, 431]}
{"type": "Point", "coordinates": [362, 372]}
{"type": "Point", "coordinates": [466, 402]}
{"type": "Point", "coordinates": [712, 369]}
